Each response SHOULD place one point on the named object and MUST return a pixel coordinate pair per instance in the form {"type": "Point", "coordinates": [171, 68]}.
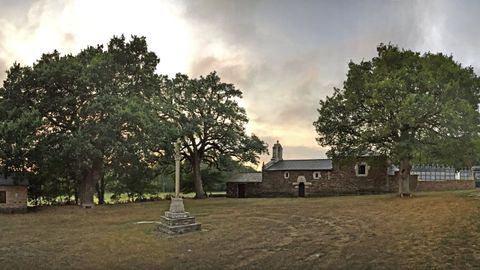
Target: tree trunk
{"type": "Point", "coordinates": [197, 178]}
{"type": "Point", "coordinates": [100, 187]}
{"type": "Point", "coordinates": [87, 187]}
{"type": "Point", "coordinates": [404, 178]}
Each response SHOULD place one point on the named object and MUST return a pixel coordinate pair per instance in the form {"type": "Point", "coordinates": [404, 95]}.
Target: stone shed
{"type": "Point", "coordinates": [242, 184]}
{"type": "Point", "coordinates": [13, 195]}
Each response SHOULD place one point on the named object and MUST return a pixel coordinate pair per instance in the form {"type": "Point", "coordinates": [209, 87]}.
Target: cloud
{"type": "Point", "coordinates": [228, 21]}
{"type": "Point", "coordinates": [29, 31]}
{"type": "Point", "coordinates": [69, 39]}
{"type": "Point", "coordinates": [231, 69]}
{"type": "Point", "coordinates": [284, 55]}
{"type": "Point", "coordinates": [449, 27]}
{"type": "Point", "coordinates": [72, 25]}
{"type": "Point", "coordinates": [432, 27]}
{"type": "Point", "coordinates": [287, 56]}
{"type": "Point", "coordinates": [3, 69]}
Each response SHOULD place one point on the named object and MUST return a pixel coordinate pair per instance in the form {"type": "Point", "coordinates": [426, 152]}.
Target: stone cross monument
{"type": "Point", "coordinates": [176, 220]}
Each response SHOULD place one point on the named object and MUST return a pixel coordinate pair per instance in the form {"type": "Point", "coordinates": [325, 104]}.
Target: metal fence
{"type": "Point", "coordinates": [440, 172]}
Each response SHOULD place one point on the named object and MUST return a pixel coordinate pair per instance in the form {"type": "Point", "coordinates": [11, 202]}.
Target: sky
{"type": "Point", "coordinates": [285, 56]}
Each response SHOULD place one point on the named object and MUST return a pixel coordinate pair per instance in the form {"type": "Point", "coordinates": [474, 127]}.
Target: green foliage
{"type": "Point", "coordinates": [457, 153]}
{"type": "Point", "coordinates": [399, 103]}
{"type": "Point", "coordinates": [213, 178]}
{"type": "Point", "coordinates": [68, 115]}
{"type": "Point", "coordinates": [209, 122]}
{"type": "Point", "coordinates": [102, 118]}
{"type": "Point", "coordinates": [208, 116]}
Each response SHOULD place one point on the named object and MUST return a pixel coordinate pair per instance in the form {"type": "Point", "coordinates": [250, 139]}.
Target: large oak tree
{"type": "Point", "coordinates": [71, 116]}
{"type": "Point", "coordinates": [209, 121]}
{"type": "Point", "coordinates": [398, 102]}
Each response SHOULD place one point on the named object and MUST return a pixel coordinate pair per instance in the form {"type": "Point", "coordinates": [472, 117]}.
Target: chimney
{"type": "Point", "coordinates": [277, 153]}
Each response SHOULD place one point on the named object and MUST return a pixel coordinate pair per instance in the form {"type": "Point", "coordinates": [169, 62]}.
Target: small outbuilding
{"type": "Point", "coordinates": [13, 195]}
{"type": "Point", "coordinates": [242, 184]}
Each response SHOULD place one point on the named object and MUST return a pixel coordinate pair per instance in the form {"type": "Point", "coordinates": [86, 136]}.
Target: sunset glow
{"type": "Point", "coordinates": [283, 59]}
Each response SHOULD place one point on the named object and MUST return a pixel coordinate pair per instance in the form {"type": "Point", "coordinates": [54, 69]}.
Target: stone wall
{"type": "Point", "coordinates": [274, 183]}
{"type": "Point", "coordinates": [346, 181]}
{"type": "Point", "coordinates": [338, 182]}
{"type": "Point", "coordinates": [343, 179]}
{"type": "Point", "coordinates": [17, 197]}
{"type": "Point", "coordinates": [441, 185]}
{"type": "Point", "coordinates": [232, 190]}
{"type": "Point", "coordinates": [251, 189]}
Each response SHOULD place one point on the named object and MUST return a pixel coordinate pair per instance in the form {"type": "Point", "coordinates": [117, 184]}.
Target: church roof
{"type": "Point", "coordinates": [255, 177]}
{"type": "Point", "coordinates": [10, 181]}
{"type": "Point", "coordinates": [301, 165]}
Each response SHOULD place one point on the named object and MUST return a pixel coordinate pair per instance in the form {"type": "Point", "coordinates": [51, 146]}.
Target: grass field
{"type": "Point", "coordinates": [438, 230]}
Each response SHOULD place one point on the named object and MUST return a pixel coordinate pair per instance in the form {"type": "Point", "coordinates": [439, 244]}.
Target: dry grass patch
{"type": "Point", "coordinates": [432, 230]}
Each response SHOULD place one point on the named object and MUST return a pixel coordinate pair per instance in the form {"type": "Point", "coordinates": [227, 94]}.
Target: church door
{"type": "Point", "coordinates": [301, 190]}
{"type": "Point", "coordinates": [241, 190]}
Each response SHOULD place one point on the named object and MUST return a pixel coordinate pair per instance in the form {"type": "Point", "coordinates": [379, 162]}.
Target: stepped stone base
{"type": "Point", "coordinates": [177, 221]}
{"type": "Point", "coordinates": [180, 228]}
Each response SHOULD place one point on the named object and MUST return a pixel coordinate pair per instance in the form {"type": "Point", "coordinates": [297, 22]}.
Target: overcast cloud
{"type": "Point", "coordinates": [284, 55]}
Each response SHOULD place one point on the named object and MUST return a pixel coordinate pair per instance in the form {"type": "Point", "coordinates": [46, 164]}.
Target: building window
{"type": "Point", "coordinates": [362, 169]}
{"type": "Point", "coordinates": [286, 175]}
{"type": "Point", "coordinates": [316, 175]}
{"type": "Point", "coordinates": [3, 197]}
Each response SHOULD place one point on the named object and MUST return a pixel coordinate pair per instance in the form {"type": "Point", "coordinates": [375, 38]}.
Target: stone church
{"type": "Point", "coordinates": [314, 177]}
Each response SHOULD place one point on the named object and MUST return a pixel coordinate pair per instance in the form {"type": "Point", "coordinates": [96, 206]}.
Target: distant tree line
{"type": "Point", "coordinates": [103, 121]}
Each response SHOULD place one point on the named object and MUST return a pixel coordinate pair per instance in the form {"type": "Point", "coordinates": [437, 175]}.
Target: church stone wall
{"type": "Point", "coordinates": [342, 179]}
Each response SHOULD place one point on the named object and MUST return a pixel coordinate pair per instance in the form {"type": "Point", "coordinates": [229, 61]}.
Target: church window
{"type": "Point", "coordinates": [286, 175]}
{"type": "Point", "coordinates": [361, 169]}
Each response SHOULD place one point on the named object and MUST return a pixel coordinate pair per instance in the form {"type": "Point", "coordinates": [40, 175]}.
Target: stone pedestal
{"type": "Point", "coordinates": [176, 220]}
